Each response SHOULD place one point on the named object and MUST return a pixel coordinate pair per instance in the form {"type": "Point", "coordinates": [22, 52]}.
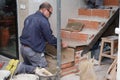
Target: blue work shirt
{"type": "Point", "coordinates": [37, 32]}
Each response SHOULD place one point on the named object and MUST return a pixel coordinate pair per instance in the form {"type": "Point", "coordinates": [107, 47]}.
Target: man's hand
{"type": "Point", "coordinates": [64, 45]}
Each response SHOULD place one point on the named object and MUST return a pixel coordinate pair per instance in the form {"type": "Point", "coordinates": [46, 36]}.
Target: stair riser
{"type": "Point", "coordinates": [87, 24]}
{"type": "Point", "coordinates": [74, 35]}
{"type": "Point", "coordinates": [94, 12]}
{"type": "Point", "coordinates": [79, 36]}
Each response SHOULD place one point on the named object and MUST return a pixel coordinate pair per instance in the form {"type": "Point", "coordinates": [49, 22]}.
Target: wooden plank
{"type": "Point", "coordinates": [112, 71]}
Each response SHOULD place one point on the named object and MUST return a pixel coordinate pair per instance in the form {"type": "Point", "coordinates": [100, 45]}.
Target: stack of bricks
{"type": "Point", "coordinates": [70, 66]}
{"type": "Point", "coordinates": [67, 62]}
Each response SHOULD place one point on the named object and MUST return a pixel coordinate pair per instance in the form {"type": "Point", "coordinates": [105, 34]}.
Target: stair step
{"type": "Point", "coordinates": [91, 18]}
{"type": "Point", "coordinates": [74, 35]}
{"type": "Point", "coordinates": [87, 23]}
{"type": "Point", "coordinates": [74, 43]}
{"type": "Point", "coordinates": [111, 2]}
{"type": "Point", "coordinates": [104, 13]}
{"type": "Point", "coordinates": [74, 39]}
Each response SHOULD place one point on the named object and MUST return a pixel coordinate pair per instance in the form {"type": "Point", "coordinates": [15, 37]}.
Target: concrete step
{"type": "Point", "coordinates": [74, 39]}
{"type": "Point", "coordinates": [111, 2]}
{"type": "Point", "coordinates": [87, 23]}
{"type": "Point", "coordinates": [90, 18]}
{"type": "Point", "coordinates": [104, 13]}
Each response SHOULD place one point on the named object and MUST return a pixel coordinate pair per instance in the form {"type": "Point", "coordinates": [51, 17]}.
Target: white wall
{"type": "Point", "coordinates": [69, 9]}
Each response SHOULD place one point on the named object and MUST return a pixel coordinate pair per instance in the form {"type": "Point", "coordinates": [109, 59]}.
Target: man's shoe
{"type": "Point", "coordinates": [18, 68]}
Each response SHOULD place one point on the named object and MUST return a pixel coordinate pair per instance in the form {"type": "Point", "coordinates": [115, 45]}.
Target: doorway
{"type": "Point", "coordinates": [8, 28]}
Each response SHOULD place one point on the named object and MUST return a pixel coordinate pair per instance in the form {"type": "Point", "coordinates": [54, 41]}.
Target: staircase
{"type": "Point", "coordinates": [95, 21]}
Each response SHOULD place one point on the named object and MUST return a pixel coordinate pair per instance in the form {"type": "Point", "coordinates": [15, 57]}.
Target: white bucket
{"type": "Point", "coordinates": [25, 77]}
{"type": "Point", "coordinates": [4, 74]}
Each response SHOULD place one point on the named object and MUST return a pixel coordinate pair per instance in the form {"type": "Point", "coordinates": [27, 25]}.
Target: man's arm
{"type": "Point", "coordinates": [48, 35]}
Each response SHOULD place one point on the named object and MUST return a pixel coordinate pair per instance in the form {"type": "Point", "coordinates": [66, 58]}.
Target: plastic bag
{"type": "Point", "coordinates": [86, 70]}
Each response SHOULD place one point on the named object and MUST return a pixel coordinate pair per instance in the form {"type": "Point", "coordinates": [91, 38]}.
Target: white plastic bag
{"type": "Point", "coordinates": [4, 74]}
{"type": "Point", "coordinates": [86, 70]}
{"type": "Point", "coordinates": [25, 77]}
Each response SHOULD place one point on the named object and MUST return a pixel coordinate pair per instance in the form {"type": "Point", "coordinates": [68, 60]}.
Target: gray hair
{"type": "Point", "coordinates": [45, 5]}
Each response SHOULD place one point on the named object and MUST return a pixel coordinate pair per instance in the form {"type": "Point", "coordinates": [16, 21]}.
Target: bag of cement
{"type": "Point", "coordinates": [86, 70]}
{"type": "Point", "coordinates": [25, 77]}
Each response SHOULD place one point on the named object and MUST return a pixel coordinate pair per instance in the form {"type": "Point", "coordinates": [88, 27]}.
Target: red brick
{"type": "Point", "coordinates": [79, 36]}
{"type": "Point", "coordinates": [87, 24]}
{"type": "Point", "coordinates": [69, 70]}
{"type": "Point", "coordinates": [85, 12]}
{"type": "Point", "coordinates": [65, 34]}
{"type": "Point", "coordinates": [101, 13]}
{"type": "Point", "coordinates": [74, 35]}
{"type": "Point", "coordinates": [67, 65]}
{"type": "Point", "coordinates": [95, 12]}
{"type": "Point", "coordinates": [111, 2]}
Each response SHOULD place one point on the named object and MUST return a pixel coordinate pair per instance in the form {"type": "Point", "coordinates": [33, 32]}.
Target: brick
{"type": "Point", "coordinates": [69, 70]}
{"type": "Point", "coordinates": [79, 36]}
{"type": "Point", "coordinates": [111, 2]}
{"type": "Point", "coordinates": [94, 12]}
{"type": "Point", "coordinates": [67, 65]}
{"type": "Point", "coordinates": [65, 34]}
{"type": "Point", "coordinates": [87, 24]}
{"type": "Point", "coordinates": [85, 12]}
{"type": "Point", "coordinates": [74, 35]}
{"type": "Point", "coordinates": [101, 13]}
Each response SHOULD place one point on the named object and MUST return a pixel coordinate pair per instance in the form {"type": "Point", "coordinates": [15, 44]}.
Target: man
{"type": "Point", "coordinates": [35, 34]}
{"type": "Point", "coordinates": [95, 4]}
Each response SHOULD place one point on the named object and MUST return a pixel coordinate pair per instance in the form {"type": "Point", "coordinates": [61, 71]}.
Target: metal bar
{"type": "Point", "coordinates": [58, 37]}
